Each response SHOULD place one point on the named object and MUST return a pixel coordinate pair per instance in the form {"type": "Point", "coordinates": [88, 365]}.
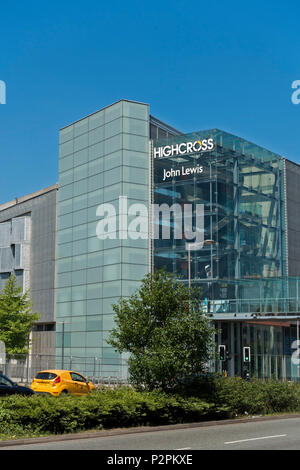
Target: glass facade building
{"type": "Point", "coordinates": [247, 263]}
{"type": "Point", "coordinates": [245, 268]}
{"type": "Point", "coordinates": [102, 157]}
{"type": "Point", "coordinates": [241, 188]}
{"type": "Point", "coordinates": [232, 228]}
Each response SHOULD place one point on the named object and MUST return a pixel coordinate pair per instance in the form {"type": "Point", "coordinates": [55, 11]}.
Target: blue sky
{"type": "Point", "coordinates": [198, 64]}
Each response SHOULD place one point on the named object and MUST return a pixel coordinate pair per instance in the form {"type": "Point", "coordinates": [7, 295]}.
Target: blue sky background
{"type": "Point", "coordinates": [198, 64]}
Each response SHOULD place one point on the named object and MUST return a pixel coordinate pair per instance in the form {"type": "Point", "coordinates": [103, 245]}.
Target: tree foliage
{"type": "Point", "coordinates": [16, 318]}
{"type": "Point", "coordinates": [164, 330]}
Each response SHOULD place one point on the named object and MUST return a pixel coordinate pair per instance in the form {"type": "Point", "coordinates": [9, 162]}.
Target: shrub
{"type": "Point", "coordinates": [199, 399]}
{"type": "Point", "coordinates": [123, 407]}
{"type": "Point", "coordinates": [240, 397]}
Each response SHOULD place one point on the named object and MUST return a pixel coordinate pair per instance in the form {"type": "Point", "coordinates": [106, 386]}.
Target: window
{"type": "Point", "coordinates": [45, 376]}
{"type": "Point", "coordinates": [77, 377]}
{"type": "Point", "coordinates": [44, 327]}
{"type": "Point", "coordinates": [5, 381]}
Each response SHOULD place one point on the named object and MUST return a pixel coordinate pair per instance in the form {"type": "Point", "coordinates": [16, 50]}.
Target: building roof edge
{"type": "Point", "coordinates": [19, 200]}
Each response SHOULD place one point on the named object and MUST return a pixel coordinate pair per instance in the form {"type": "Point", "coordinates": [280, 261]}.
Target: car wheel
{"type": "Point", "coordinates": [64, 392]}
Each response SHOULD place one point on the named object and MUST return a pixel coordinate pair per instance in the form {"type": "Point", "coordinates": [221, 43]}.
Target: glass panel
{"type": "Point", "coordinates": [79, 307]}
{"type": "Point", "coordinates": [93, 307]}
{"type": "Point", "coordinates": [79, 262]}
{"type": "Point", "coordinates": [113, 160]}
{"type": "Point", "coordinates": [133, 272]}
{"type": "Point", "coordinates": [80, 187]}
{"type": "Point", "coordinates": [95, 198]}
{"type": "Point", "coordinates": [81, 157]}
{"type": "Point", "coordinates": [79, 202]}
{"type": "Point", "coordinates": [80, 127]}
{"type": "Point", "coordinates": [96, 151]}
{"type": "Point", "coordinates": [65, 178]}
{"type": "Point", "coordinates": [134, 255]}
{"type": "Point", "coordinates": [65, 163]}
{"type": "Point", "coordinates": [93, 339]}
{"type": "Point", "coordinates": [113, 144]}
{"type": "Point", "coordinates": [96, 135]}
{"type": "Point", "coordinates": [96, 120]}
{"type": "Point", "coordinates": [135, 126]}
{"type": "Point", "coordinates": [135, 142]}
{"type": "Point", "coordinates": [80, 217]}
{"type": "Point", "coordinates": [66, 134]}
{"type": "Point", "coordinates": [113, 128]}
{"type": "Point", "coordinates": [108, 304]}
{"type": "Point", "coordinates": [112, 192]}
{"type": "Point", "coordinates": [94, 275]}
{"type": "Point", "coordinates": [96, 166]}
{"type": "Point", "coordinates": [111, 288]}
{"type": "Point", "coordinates": [135, 110]}
{"type": "Point", "coordinates": [112, 256]}
{"type": "Point", "coordinates": [95, 182]}
{"type": "Point", "coordinates": [64, 265]}
{"type": "Point", "coordinates": [65, 207]}
{"type": "Point", "coordinates": [132, 175]}
{"type": "Point", "coordinates": [111, 272]}
{"type": "Point", "coordinates": [94, 291]}
{"type": "Point", "coordinates": [94, 323]}
{"type": "Point", "coordinates": [108, 322]}
{"type": "Point", "coordinates": [80, 172]}
{"type": "Point", "coordinates": [79, 277]}
{"type": "Point", "coordinates": [65, 221]}
{"type": "Point", "coordinates": [136, 159]}
{"type": "Point", "coordinates": [95, 259]}
{"type": "Point", "coordinates": [113, 112]}
{"type": "Point", "coordinates": [66, 148]}
{"type": "Point", "coordinates": [81, 142]}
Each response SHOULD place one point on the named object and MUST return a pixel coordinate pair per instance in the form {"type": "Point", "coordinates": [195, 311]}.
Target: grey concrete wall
{"type": "Point", "coordinates": [42, 210]}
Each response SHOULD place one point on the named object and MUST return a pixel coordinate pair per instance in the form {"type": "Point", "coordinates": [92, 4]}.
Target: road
{"type": "Point", "coordinates": [275, 434]}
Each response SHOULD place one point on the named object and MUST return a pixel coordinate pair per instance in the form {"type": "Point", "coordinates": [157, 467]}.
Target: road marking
{"type": "Point", "coordinates": [184, 448]}
{"type": "Point", "coordinates": [255, 439]}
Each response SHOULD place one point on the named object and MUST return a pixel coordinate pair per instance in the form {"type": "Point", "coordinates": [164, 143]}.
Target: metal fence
{"type": "Point", "coordinates": [23, 369]}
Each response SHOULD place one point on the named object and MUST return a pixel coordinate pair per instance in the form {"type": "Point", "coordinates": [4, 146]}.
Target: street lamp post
{"type": "Point", "coordinates": [189, 267]}
{"type": "Point", "coordinates": [63, 343]}
{"type": "Point", "coordinates": [298, 348]}
{"type": "Point", "coordinates": [63, 346]}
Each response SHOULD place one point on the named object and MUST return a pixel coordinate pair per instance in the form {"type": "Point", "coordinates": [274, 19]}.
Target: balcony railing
{"type": "Point", "coordinates": [253, 307]}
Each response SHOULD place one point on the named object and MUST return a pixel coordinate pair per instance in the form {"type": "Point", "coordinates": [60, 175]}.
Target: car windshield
{"type": "Point", "coordinates": [45, 376]}
{"type": "Point", "coordinates": [5, 381]}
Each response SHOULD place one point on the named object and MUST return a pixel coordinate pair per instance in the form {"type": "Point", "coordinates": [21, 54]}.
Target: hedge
{"type": "Point", "coordinates": [198, 400]}
{"type": "Point", "coordinates": [105, 409]}
{"type": "Point", "coordinates": [241, 397]}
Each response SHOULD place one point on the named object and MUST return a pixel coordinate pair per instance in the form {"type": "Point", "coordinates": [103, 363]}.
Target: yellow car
{"type": "Point", "coordinates": [61, 382]}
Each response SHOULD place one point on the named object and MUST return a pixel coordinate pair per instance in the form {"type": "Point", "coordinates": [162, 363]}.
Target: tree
{"type": "Point", "coordinates": [16, 318]}
{"type": "Point", "coordinates": [164, 330]}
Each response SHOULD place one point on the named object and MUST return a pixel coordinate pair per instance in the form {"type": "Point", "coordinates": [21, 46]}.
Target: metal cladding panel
{"type": "Point", "coordinates": [6, 259]}
{"type": "Point", "coordinates": [5, 234]}
{"type": "Point", "coordinates": [18, 229]}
